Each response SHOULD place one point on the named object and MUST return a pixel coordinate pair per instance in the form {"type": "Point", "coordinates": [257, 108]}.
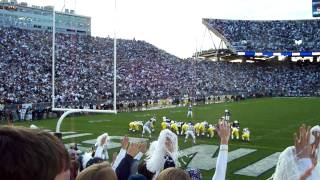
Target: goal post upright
{"type": "Point", "coordinates": [115, 59]}
{"type": "Point", "coordinates": [53, 56]}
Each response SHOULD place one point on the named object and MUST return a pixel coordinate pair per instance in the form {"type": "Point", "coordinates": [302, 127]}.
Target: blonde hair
{"type": "Point", "coordinates": [173, 174]}
{"type": "Point", "coordinates": [101, 171]}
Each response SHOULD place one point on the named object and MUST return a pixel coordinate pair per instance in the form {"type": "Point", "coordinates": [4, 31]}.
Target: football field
{"type": "Point", "coordinates": [272, 122]}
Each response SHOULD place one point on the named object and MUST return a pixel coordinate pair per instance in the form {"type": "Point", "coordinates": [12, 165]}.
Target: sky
{"type": "Point", "coordinates": [175, 25]}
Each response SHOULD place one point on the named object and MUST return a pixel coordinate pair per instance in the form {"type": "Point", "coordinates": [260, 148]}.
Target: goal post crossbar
{"type": "Point", "coordinates": [85, 110]}
{"type": "Point", "coordinates": [70, 111]}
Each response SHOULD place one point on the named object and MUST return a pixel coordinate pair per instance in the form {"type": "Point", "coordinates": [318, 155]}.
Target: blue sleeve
{"type": "Point", "coordinates": [123, 171]}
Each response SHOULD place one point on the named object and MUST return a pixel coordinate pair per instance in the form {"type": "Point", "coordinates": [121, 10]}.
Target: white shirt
{"type": "Point", "coordinates": [221, 165]}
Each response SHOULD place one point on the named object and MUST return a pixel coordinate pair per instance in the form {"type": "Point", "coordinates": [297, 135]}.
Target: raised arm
{"type": "Point", "coordinates": [223, 131]}
{"type": "Point", "coordinates": [124, 168]}
{"type": "Point", "coordinates": [122, 153]}
{"type": "Point", "coordinates": [306, 152]}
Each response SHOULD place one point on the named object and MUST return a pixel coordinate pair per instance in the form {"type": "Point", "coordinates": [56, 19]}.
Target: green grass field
{"type": "Point", "coordinates": [272, 122]}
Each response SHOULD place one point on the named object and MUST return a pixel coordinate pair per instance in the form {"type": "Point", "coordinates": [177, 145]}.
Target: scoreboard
{"type": "Point", "coordinates": [316, 8]}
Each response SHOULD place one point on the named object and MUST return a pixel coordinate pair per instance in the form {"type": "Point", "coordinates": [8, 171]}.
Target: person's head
{"type": "Point", "coordinates": [168, 140]}
{"type": "Point", "coordinates": [101, 171]}
{"type": "Point", "coordinates": [74, 146]}
{"type": "Point", "coordinates": [173, 174]}
{"type": "Point", "coordinates": [102, 139]}
{"type": "Point", "coordinates": [95, 160]}
{"type": "Point", "coordinates": [167, 144]}
{"type": "Point", "coordinates": [32, 154]}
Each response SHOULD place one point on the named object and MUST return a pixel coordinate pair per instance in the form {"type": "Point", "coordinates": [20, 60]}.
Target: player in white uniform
{"type": "Point", "coordinates": [190, 132]}
{"type": "Point", "coordinates": [147, 128]}
{"type": "Point", "coordinates": [22, 112]}
{"type": "Point", "coordinates": [189, 111]}
{"type": "Point", "coordinates": [227, 114]}
{"type": "Point", "coordinates": [153, 120]}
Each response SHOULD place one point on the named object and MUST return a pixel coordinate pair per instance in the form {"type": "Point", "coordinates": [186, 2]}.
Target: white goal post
{"type": "Point", "coordinates": [68, 111]}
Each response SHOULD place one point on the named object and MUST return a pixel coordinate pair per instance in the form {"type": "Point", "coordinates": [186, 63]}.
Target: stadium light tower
{"type": "Point", "coordinates": [68, 111]}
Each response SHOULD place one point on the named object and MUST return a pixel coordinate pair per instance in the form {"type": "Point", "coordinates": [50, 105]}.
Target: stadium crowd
{"type": "Point", "coordinates": [274, 36]}
{"type": "Point", "coordinates": [84, 71]}
{"type": "Point", "coordinates": [52, 161]}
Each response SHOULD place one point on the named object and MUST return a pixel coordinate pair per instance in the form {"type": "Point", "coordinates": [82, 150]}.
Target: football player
{"type": "Point", "coordinates": [210, 131]}
{"type": "Point", "coordinates": [147, 128]}
{"type": "Point", "coordinates": [135, 126]}
{"type": "Point", "coordinates": [184, 128]}
{"type": "Point", "coordinates": [153, 120]}
{"type": "Point", "coordinates": [227, 114]}
{"type": "Point", "coordinates": [203, 127]}
{"type": "Point", "coordinates": [174, 127]}
{"type": "Point", "coordinates": [235, 127]}
{"type": "Point", "coordinates": [197, 128]}
{"type": "Point", "coordinates": [190, 132]}
{"type": "Point", "coordinates": [189, 111]}
{"type": "Point", "coordinates": [246, 134]}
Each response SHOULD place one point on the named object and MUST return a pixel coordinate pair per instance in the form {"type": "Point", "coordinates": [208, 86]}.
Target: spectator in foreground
{"type": "Point", "coordinates": [101, 171]}
{"type": "Point", "coordinates": [162, 154]}
{"type": "Point", "coordinates": [32, 154]}
{"type": "Point", "coordinates": [173, 174]}
{"type": "Point", "coordinates": [101, 146]}
{"type": "Point", "coordinates": [299, 162]}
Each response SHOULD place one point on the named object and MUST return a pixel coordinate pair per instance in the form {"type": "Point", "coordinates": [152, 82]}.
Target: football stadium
{"type": "Point", "coordinates": [80, 104]}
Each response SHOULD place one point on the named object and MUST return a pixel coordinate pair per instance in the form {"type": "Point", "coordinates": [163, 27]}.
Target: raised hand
{"type": "Point", "coordinates": [143, 147]}
{"type": "Point", "coordinates": [125, 142]}
{"type": "Point", "coordinates": [223, 130]}
{"type": "Point", "coordinates": [301, 142]}
{"type": "Point", "coordinates": [306, 150]}
{"type": "Point", "coordinates": [133, 149]}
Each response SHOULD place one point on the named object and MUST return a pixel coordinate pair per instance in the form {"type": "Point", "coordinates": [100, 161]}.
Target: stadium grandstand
{"type": "Point", "coordinates": [161, 101]}
{"type": "Point", "coordinates": [161, 75]}
{"type": "Point", "coordinates": [268, 38]}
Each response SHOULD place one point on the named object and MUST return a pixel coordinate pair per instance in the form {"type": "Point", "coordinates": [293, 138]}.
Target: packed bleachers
{"type": "Point", "coordinates": [274, 36]}
{"type": "Point", "coordinates": [84, 71]}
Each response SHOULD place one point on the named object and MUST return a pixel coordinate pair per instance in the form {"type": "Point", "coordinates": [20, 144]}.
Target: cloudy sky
{"type": "Point", "coordinates": [175, 25]}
